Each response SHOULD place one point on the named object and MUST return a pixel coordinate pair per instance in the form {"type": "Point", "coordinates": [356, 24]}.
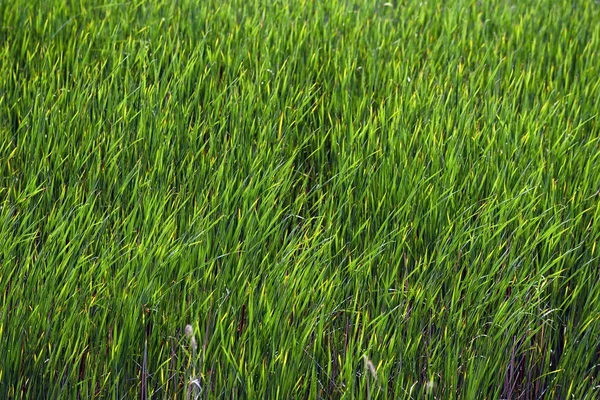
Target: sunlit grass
{"type": "Point", "coordinates": [349, 199]}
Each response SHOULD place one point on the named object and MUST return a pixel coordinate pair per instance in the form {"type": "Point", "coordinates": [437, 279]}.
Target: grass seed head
{"type": "Point", "coordinates": [371, 367]}
{"type": "Point", "coordinates": [189, 333]}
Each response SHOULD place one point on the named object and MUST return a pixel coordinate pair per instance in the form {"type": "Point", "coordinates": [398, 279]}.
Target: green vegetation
{"type": "Point", "coordinates": [350, 199]}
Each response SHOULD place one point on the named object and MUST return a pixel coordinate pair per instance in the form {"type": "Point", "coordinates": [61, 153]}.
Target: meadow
{"type": "Point", "coordinates": [299, 199]}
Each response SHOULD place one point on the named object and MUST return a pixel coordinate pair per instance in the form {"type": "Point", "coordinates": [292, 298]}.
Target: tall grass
{"type": "Point", "coordinates": [354, 199]}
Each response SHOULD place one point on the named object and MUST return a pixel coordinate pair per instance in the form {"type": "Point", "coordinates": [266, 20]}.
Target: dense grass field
{"type": "Point", "coordinates": [342, 199]}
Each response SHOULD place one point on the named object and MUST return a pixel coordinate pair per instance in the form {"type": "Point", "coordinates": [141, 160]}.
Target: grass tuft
{"type": "Point", "coordinates": [349, 199]}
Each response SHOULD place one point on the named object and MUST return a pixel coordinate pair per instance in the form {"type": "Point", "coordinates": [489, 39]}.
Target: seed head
{"type": "Point", "coordinates": [189, 333]}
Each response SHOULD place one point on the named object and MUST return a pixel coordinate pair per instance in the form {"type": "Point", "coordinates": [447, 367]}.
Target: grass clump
{"type": "Point", "coordinates": [355, 199]}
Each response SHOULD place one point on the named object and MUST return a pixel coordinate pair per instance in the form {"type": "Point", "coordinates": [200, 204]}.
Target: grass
{"type": "Point", "coordinates": [343, 199]}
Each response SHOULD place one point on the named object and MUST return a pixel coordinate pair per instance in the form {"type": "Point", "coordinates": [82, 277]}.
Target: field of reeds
{"type": "Point", "coordinates": [299, 199]}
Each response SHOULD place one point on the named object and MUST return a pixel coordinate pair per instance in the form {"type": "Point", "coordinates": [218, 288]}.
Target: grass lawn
{"type": "Point", "coordinates": [299, 199]}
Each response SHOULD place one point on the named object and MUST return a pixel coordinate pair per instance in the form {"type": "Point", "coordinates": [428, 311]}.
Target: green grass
{"type": "Point", "coordinates": [344, 199]}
